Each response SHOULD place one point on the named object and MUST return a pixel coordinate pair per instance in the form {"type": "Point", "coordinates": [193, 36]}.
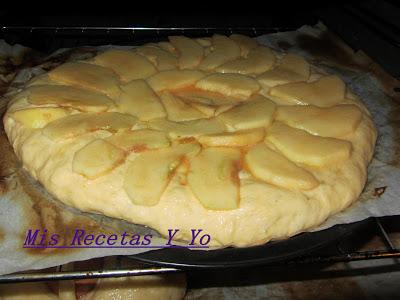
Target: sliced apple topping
{"type": "Point", "coordinates": [128, 65]}
{"type": "Point", "coordinates": [213, 178]}
{"type": "Point", "coordinates": [211, 110]}
{"type": "Point", "coordinates": [324, 92]}
{"type": "Point", "coordinates": [205, 42]}
{"type": "Point", "coordinates": [274, 168]}
{"type": "Point", "coordinates": [162, 59]}
{"type": "Point", "coordinates": [334, 121]}
{"type": "Point", "coordinates": [231, 85]}
{"type": "Point", "coordinates": [139, 140]}
{"type": "Point", "coordinates": [97, 158]}
{"type": "Point", "coordinates": [78, 124]}
{"type": "Point", "coordinates": [293, 68]}
{"type": "Point", "coordinates": [42, 79]}
{"type": "Point", "coordinates": [208, 110]}
{"type": "Point", "coordinates": [257, 61]}
{"type": "Point", "coordinates": [167, 46]}
{"type": "Point", "coordinates": [190, 52]}
{"type": "Point", "coordinates": [149, 173]}
{"type": "Point", "coordinates": [38, 117]}
{"type": "Point", "coordinates": [178, 110]}
{"type": "Point", "coordinates": [233, 139]}
{"type": "Point", "coordinates": [223, 108]}
{"type": "Point", "coordinates": [194, 95]}
{"type": "Point", "coordinates": [138, 99]}
{"type": "Point", "coordinates": [302, 147]}
{"type": "Point", "coordinates": [258, 112]}
{"type": "Point", "coordinates": [223, 50]}
{"type": "Point", "coordinates": [245, 43]}
{"type": "Point", "coordinates": [67, 96]}
{"type": "Point", "coordinates": [88, 76]}
{"type": "Point", "coordinates": [189, 128]}
{"type": "Point", "coordinates": [174, 79]}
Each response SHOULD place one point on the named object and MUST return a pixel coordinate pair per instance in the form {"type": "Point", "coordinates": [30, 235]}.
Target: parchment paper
{"type": "Point", "coordinates": [24, 204]}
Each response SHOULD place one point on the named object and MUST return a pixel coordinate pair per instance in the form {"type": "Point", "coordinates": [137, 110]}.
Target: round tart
{"type": "Point", "coordinates": [220, 134]}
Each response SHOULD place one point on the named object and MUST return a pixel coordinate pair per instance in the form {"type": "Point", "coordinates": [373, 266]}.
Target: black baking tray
{"type": "Point", "coordinates": [269, 253]}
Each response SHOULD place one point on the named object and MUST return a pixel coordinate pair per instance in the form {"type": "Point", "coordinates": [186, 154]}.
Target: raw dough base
{"type": "Point", "coordinates": [266, 212]}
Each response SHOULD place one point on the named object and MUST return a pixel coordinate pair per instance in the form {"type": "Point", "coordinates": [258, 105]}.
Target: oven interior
{"type": "Point", "coordinates": [371, 26]}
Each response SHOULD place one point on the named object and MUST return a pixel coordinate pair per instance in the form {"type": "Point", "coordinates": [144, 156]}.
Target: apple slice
{"type": "Point", "coordinates": [150, 172]}
{"type": "Point", "coordinates": [42, 79]}
{"type": "Point", "coordinates": [88, 76]}
{"type": "Point", "coordinates": [334, 121]}
{"type": "Point", "coordinates": [245, 43]}
{"type": "Point", "coordinates": [174, 79]}
{"type": "Point", "coordinates": [231, 85]}
{"type": "Point", "coordinates": [128, 65]}
{"type": "Point", "coordinates": [223, 108]}
{"type": "Point", "coordinates": [138, 99]}
{"type": "Point", "coordinates": [194, 95]}
{"type": "Point", "coordinates": [139, 140]}
{"type": "Point", "coordinates": [213, 178]}
{"type": "Point", "coordinates": [178, 110]}
{"type": "Point", "coordinates": [38, 117]}
{"type": "Point", "coordinates": [67, 96]}
{"type": "Point", "coordinates": [302, 147]}
{"type": "Point", "coordinates": [190, 52]}
{"type": "Point", "coordinates": [258, 112]}
{"type": "Point", "coordinates": [78, 124]}
{"type": "Point", "coordinates": [167, 46]}
{"type": "Point", "coordinates": [189, 128]}
{"type": "Point", "coordinates": [324, 92]}
{"type": "Point", "coordinates": [208, 110]}
{"type": "Point", "coordinates": [233, 139]}
{"type": "Point", "coordinates": [97, 158]}
{"type": "Point", "coordinates": [257, 61]}
{"type": "Point", "coordinates": [293, 68]}
{"type": "Point", "coordinates": [272, 167]}
{"type": "Point", "coordinates": [162, 59]}
{"type": "Point", "coordinates": [205, 42]}
{"type": "Point", "coordinates": [223, 50]}
{"type": "Point", "coordinates": [295, 63]}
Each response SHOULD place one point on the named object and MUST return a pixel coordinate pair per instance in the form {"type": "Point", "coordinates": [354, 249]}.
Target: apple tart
{"type": "Point", "coordinates": [220, 134]}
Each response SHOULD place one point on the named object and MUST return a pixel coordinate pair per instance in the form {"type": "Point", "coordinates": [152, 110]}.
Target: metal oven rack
{"type": "Point", "coordinates": [55, 37]}
{"type": "Point", "coordinates": [336, 254]}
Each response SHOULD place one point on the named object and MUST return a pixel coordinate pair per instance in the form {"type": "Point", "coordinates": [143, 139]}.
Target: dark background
{"type": "Point", "coordinates": [371, 25]}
